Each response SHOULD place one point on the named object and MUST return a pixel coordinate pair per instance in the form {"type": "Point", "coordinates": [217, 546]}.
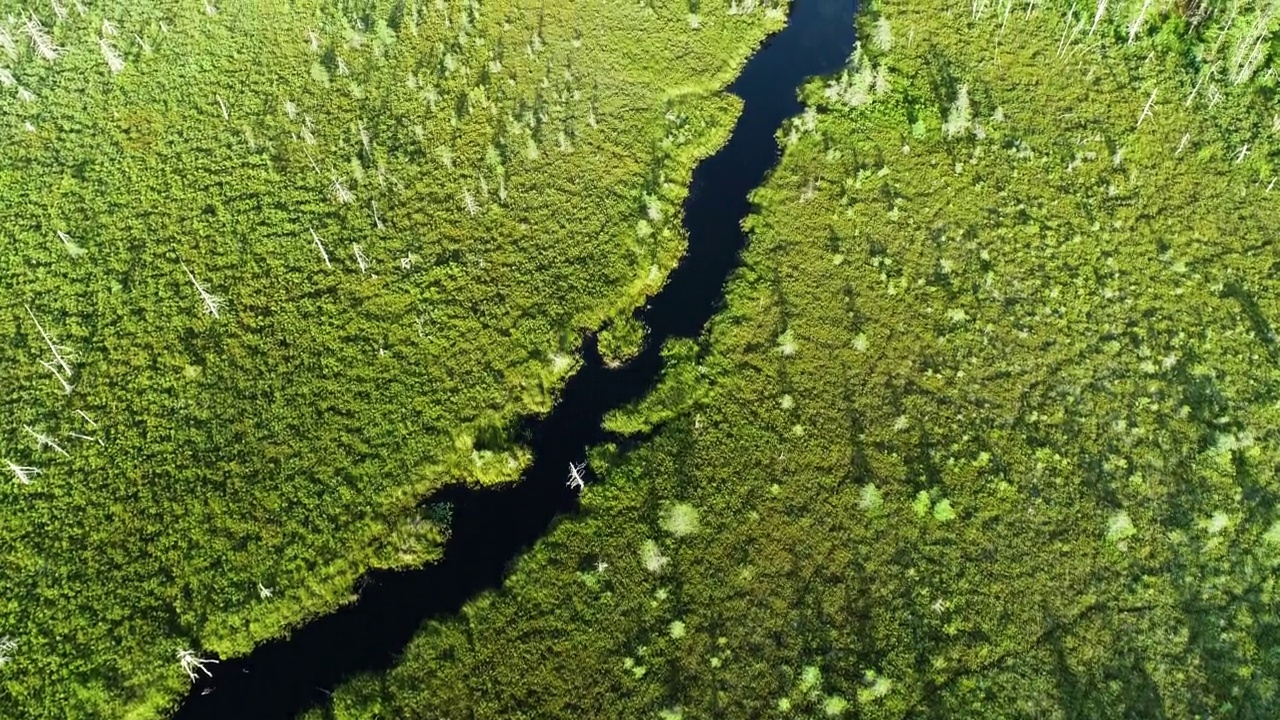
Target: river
{"type": "Point", "coordinates": [492, 527]}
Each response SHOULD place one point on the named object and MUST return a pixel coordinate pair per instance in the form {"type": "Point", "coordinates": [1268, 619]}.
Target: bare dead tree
{"type": "Point", "coordinates": [23, 473]}
{"type": "Point", "coordinates": [1146, 111]}
{"type": "Point", "coordinates": [60, 353]}
{"type": "Point", "coordinates": [576, 479]}
{"type": "Point", "coordinates": [41, 42]}
{"type": "Point", "coordinates": [361, 260]}
{"type": "Point", "coordinates": [320, 246]}
{"type": "Point", "coordinates": [193, 664]}
{"type": "Point", "coordinates": [1136, 25]}
{"type": "Point", "coordinates": [340, 191]}
{"type": "Point", "coordinates": [114, 62]}
{"type": "Point", "coordinates": [87, 419]}
{"type": "Point", "coordinates": [43, 440]}
{"type": "Point", "coordinates": [7, 44]}
{"type": "Point", "coordinates": [212, 303]}
{"type": "Point", "coordinates": [87, 438]}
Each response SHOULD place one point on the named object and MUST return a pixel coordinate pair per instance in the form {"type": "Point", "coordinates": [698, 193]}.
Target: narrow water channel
{"type": "Point", "coordinates": [491, 527]}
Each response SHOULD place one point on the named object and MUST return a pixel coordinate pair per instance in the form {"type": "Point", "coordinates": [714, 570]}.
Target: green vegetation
{"type": "Point", "coordinates": [276, 270]}
{"type": "Point", "coordinates": [988, 427]}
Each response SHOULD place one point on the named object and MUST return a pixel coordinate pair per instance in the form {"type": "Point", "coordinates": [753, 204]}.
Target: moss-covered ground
{"type": "Point", "coordinates": [274, 271]}
{"type": "Point", "coordinates": [987, 429]}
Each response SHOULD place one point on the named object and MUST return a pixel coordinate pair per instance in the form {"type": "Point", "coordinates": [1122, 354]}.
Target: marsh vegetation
{"type": "Point", "coordinates": [986, 428]}
{"type": "Point", "coordinates": [275, 271]}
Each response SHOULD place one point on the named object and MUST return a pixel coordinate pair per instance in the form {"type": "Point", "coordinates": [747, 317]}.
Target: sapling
{"type": "Point", "coordinates": [40, 40]}
{"type": "Point", "coordinates": [24, 474]}
{"type": "Point", "coordinates": [212, 303]}
{"type": "Point", "coordinates": [320, 247]}
{"type": "Point", "coordinates": [191, 664]}
{"type": "Point", "coordinates": [43, 440]}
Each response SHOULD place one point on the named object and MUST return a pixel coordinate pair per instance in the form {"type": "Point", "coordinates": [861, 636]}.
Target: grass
{"type": "Point", "coordinates": [308, 262]}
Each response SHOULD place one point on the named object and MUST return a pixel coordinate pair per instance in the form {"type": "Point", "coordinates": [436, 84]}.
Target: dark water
{"type": "Point", "coordinates": [492, 527]}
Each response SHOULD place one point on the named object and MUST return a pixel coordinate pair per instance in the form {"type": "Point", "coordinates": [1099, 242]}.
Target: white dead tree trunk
{"type": "Point", "coordinates": [264, 592]}
{"type": "Point", "coordinates": [87, 419]}
{"type": "Point", "coordinates": [109, 28]}
{"type": "Point", "coordinates": [361, 260]}
{"type": "Point", "coordinates": [469, 202]}
{"type": "Point", "coordinates": [60, 353]}
{"type": "Point", "coordinates": [40, 40]}
{"type": "Point", "coordinates": [7, 44]}
{"type": "Point", "coordinates": [114, 62]}
{"type": "Point", "coordinates": [576, 479]}
{"type": "Point", "coordinates": [377, 221]}
{"type": "Point", "coordinates": [313, 40]}
{"type": "Point", "coordinates": [1146, 111]}
{"type": "Point", "coordinates": [1182, 145]}
{"type": "Point", "coordinates": [1136, 25]}
{"type": "Point", "coordinates": [87, 438]}
{"type": "Point", "coordinates": [340, 192]}
{"type": "Point", "coordinates": [192, 664]}
{"type": "Point", "coordinates": [43, 440]}
{"type": "Point", "coordinates": [226, 114]}
{"type": "Point", "coordinates": [1102, 9]}
{"type": "Point", "coordinates": [58, 9]}
{"type": "Point", "coordinates": [366, 141]}
{"type": "Point", "coordinates": [7, 646]}
{"type": "Point", "coordinates": [320, 246]}
{"type": "Point", "coordinates": [212, 303]}
{"type": "Point", "coordinates": [24, 474]}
